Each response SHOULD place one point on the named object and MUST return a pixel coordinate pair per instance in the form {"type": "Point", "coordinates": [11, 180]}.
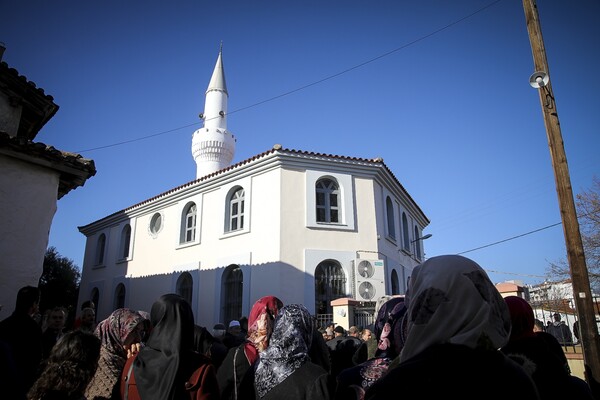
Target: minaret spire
{"type": "Point", "coordinates": [213, 145]}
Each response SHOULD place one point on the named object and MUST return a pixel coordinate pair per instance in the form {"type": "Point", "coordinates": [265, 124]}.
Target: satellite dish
{"type": "Point", "coordinates": [538, 79]}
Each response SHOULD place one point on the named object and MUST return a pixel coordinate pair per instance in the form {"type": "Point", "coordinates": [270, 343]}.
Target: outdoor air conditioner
{"type": "Point", "coordinates": [369, 279]}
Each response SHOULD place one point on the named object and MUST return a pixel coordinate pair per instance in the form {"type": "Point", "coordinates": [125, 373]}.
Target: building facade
{"type": "Point", "coordinates": [34, 176]}
{"type": "Point", "coordinates": [303, 226]}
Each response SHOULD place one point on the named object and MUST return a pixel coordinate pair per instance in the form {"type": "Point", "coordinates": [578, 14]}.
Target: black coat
{"type": "Point", "coordinates": [24, 338]}
{"type": "Point", "coordinates": [231, 375]}
{"type": "Point", "coordinates": [450, 371]}
{"type": "Point", "coordinates": [309, 382]}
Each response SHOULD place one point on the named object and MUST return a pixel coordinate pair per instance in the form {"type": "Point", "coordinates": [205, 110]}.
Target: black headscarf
{"type": "Point", "coordinates": [161, 367]}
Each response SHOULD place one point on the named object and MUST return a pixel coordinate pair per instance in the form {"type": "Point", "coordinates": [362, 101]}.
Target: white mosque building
{"type": "Point", "coordinates": [306, 227]}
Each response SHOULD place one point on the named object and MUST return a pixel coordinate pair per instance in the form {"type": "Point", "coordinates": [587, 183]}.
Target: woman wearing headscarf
{"type": "Point", "coordinates": [284, 370]}
{"type": "Point", "coordinates": [456, 323]}
{"type": "Point", "coordinates": [234, 383]}
{"type": "Point", "coordinates": [388, 328]}
{"type": "Point", "coordinates": [167, 368]}
{"type": "Point", "coordinates": [118, 333]}
{"type": "Point", "coordinates": [72, 363]}
{"type": "Point", "coordinates": [541, 355]}
{"type": "Point", "coordinates": [211, 347]}
{"type": "Point", "coordinates": [147, 325]}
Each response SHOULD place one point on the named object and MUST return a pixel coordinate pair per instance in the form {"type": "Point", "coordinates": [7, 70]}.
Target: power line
{"type": "Point", "coordinates": [435, 32]}
{"type": "Point", "coordinates": [514, 273]}
{"type": "Point", "coordinates": [511, 238]}
{"type": "Point", "coordinates": [594, 211]}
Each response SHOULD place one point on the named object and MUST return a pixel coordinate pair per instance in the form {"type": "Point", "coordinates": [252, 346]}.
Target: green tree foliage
{"type": "Point", "coordinates": [59, 283]}
{"type": "Point", "coordinates": [588, 215]}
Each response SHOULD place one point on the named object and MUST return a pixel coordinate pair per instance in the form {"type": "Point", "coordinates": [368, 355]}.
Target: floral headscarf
{"type": "Point", "coordinates": [260, 326]}
{"type": "Point", "coordinates": [288, 347]}
{"type": "Point", "coordinates": [451, 300]}
{"type": "Point", "coordinates": [388, 328]}
{"type": "Point", "coordinates": [113, 332]}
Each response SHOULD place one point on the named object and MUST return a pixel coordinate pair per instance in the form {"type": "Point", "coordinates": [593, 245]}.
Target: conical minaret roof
{"type": "Point", "coordinates": [213, 146]}
{"type": "Point", "coordinates": [217, 81]}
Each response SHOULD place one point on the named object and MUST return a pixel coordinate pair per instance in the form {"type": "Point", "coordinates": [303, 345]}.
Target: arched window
{"type": "Point", "coordinates": [417, 244]}
{"type": "Point", "coordinates": [95, 297]}
{"type": "Point", "coordinates": [100, 248]}
{"type": "Point", "coordinates": [405, 237]}
{"type": "Point", "coordinates": [328, 201]}
{"type": "Point", "coordinates": [235, 211]}
{"type": "Point", "coordinates": [184, 286]}
{"type": "Point", "coordinates": [232, 284]}
{"type": "Point", "coordinates": [188, 224]}
{"type": "Point", "coordinates": [119, 301]}
{"type": "Point", "coordinates": [395, 283]}
{"type": "Point", "coordinates": [330, 284]}
{"type": "Point", "coordinates": [391, 223]}
{"type": "Point", "coordinates": [125, 242]}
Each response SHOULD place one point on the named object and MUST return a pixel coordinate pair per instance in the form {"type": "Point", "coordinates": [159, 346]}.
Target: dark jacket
{"type": "Point", "coordinates": [24, 338]}
{"type": "Point", "coordinates": [449, 371]}
{"type": "Point", "coordinates": [231, 375]}
{"type": "Point", "coordinates": [309, 382]}
{"type": "Point", "coordinates": [542, 357]}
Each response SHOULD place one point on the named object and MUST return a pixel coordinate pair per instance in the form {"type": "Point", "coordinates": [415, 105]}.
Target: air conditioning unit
{"type": "Point", "coordinates": [369, 279]}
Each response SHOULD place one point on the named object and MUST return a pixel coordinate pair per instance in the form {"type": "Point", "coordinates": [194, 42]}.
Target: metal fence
{"type": "Point", "coordinates": [363, 317]}
{"type": "Point", "coordinates": [544, 311]}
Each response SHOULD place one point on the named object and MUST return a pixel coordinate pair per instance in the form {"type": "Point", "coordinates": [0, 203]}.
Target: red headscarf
{"type": "Point", "coordinates": [260, 326]}
{"type": "Point", "coordinates": [521, 317]}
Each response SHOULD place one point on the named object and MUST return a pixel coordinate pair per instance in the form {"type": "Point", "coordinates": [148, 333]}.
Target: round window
{"type": "Point", "coordinates": [156, 223]}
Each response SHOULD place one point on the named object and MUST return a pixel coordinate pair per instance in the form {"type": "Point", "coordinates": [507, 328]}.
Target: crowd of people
{"type": "Point", "coordinates": [452, 336]}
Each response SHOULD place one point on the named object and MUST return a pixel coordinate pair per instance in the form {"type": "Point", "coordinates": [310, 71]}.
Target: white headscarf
{"type": "Point", "coordinates": [452, 300]}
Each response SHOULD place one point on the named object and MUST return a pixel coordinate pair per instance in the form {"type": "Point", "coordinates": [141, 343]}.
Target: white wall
{"type": "Point", "coordinates": [28, 204]}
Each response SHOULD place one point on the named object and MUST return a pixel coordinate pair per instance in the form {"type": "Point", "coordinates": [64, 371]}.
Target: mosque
{"type": "Point", "coordinates": [306, 227]}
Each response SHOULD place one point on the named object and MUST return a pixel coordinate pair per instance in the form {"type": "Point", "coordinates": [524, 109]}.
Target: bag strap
{"type": "Point", "coordinates": [129, 371]}
{"type": "Point", "coordinates": [235, 384]}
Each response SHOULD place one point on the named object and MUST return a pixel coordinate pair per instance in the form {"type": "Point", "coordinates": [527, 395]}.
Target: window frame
{"type": "Point", "coordinates": [120, 296]}
{"type": "Point", "coordinates": [235, 210]}
{"type": "Point", "coordinates": [232, 293]}
{"type": "Point", "coordinates": [346, 200]}
{"type": "Point", "coordinates": [390, 218]}
{"type": "Point", "coordinates": [405, 233]}
{"type": "Point", "coordinates": [100, 254]}
{"type": "Point", "coordinates": [328, 189]}
{"type": "Point", "coordinates": [185, 286]}
{"type": "Point", "coordinates": [125, 242]}
{"type": "Point", "coordinates": [330, 284]}
{"type": "Point", "coordinates": [189, 224]}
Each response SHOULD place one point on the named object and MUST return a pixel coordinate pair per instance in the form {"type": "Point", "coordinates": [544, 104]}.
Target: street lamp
{"type": "Point", "coordinates": [422, 237]}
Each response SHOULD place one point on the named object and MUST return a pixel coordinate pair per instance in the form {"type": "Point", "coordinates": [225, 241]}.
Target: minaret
{"type": "Point", "coordinates": [213, 145]}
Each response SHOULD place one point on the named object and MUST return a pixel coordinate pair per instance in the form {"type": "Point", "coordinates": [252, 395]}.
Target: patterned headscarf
{"type": "Point", "coordinates": [260, 326]}
{"type": "Point", "coordinates": [388, 328]}
{"type": "Point", "coordinates": [147, 324]}
{"type": "Point", "coordinates": [452, 300]}
{"type": "Point", "coordinates": [113, 332]}
{"type": "Point", "coordinates": [288, 347]}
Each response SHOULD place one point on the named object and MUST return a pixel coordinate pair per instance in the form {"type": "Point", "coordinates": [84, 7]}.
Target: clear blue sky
{"type": "Point", "coordinates": [439, 89]}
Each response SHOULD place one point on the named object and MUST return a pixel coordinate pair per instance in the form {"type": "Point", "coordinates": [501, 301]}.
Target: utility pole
{"type": "Point", "coordinates": [575, 254]}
